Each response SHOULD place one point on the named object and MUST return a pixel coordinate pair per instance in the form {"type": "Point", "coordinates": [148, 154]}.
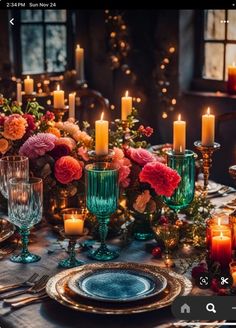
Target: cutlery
{"type": "Point", "coordinates": [28, 282]}
{"type": "Point", "coordinates": [28, 300]}
{"type": "Point", "coordinates": [225, 191]}
{"type": "Point", "coordinates": [36, 288]}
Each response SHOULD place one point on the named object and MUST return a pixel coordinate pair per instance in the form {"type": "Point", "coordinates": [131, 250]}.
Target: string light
{"type": "Point", "coordinates": [164, 115]}
{"type": "Point", "coordinates": [112, 107]}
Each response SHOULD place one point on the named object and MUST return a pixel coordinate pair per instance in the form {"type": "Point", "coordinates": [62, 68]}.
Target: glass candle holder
{"type": "Point", "coordinates": [184, 164]}
{"type": "Point", "coordinates": [73, 230]}
{"type": "Point", "coordinates": [102, 196]}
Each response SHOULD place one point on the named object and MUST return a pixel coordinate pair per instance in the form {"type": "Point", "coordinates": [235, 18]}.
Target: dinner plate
{"type": "Point", "coordinates": [117, 284]}
{"type": "Point", "coordinates": [57, 289]}
{"type": "Point", "coordinates": [212, 187]}
{"type": "Point", "coordinates": [6, 229]}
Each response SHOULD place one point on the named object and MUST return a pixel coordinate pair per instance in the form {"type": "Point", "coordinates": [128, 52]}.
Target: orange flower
{"type": "Point", "coordinates": [14, 127]}
{"type": "Point", "coordinates": [54, 131]}
{"type": "Point", "coordinates": [3, 145]}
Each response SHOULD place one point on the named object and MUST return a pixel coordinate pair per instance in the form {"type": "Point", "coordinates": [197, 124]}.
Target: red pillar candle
{"type": "Point", "coordinates": [215, 226]}
{"type": "Point", "coordinates": [221, 250]}
{"type": "Point", "coordinates": [231, 83]}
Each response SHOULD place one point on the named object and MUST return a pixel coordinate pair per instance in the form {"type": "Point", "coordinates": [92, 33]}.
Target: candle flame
{"type": "Point", "coordinates": [126, 93]}
{"type": "Point", "coordinates": [221, 235]}
{"type": "Point", "coordinates": [208, 111]}
{"type": "Point", "coordinates": [102, 116]}
{"type": "Point", "coordinates": [219, 221]}
{"type": "Point", "coordinates": [78, 46]}
{"type": "Point", "coordinates": [180, 149]}
{"type": "Point", "coordinates": [28, 77]}
{"type": "Point", "coordinates": [179, 117]}
{"type": "Point", "coordinates": [58, 87]}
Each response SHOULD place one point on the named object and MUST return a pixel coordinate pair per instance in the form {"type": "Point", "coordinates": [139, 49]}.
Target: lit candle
{"type": "Point", "coordinates": [72, 104]}
{"type": "Point", "coordinates": [19, 92]}
{"type": "Point", "coordinates": [28, 85]}
{"type": "Point", "coordinates": [221, 250]}
{"type": "Point", "coordinates": [74, 225]}
{"type": "Point", "coordinates": [101, 137]}
{"type": "Point", "coordinates": [208, 129]}
{"type": "Point", "coordinates": [179, 136]}
{"type": "Point", "coordinates": [79, 62]}
{"type": "Point", "coordinates": [126, 106]}
{"type": "Point", "coordinates": [58, 98]}
{"type": "Point", "coordinates": [216, 227]}
{"type": "Point", "coordinates": [231, 83]}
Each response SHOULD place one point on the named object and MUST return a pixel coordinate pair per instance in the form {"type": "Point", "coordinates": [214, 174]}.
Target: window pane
{"type": "Point", "coordinates": [55, 15]}
{"type": "Point", "coordinates": [31, 15]}
{"type": "Point", "coordinates": [232, 25]}
{"type": "Point", "coordinates": [214, 54]}
{"type": "Point", "coordinates": [32, 48]}
{"type": "Point", "coordinates": [214, 25]}
{"type": "Point", "coordinates": [56, 48]}
{"type": "Point", "coordinates": [230, 57]}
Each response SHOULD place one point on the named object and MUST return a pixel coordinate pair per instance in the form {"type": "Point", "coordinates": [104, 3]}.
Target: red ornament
{"type": "Point", "coordinates": [157, 252]}
{"type": "Point", "coordinates": [163, 220]}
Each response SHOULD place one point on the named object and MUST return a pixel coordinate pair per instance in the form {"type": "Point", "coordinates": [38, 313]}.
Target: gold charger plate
{"type": "Point", "coordinates": [57, 290]}
{"type": "Point", "coordinates": [6, 230]}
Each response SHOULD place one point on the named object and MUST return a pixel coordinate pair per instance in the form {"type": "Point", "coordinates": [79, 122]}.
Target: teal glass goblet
{"type": "Point", "coordinates": [102, 194]}
{"type": "Point", "coordinates": [184, 164]}
{"type": "Point", "coordinates": [25, 210]}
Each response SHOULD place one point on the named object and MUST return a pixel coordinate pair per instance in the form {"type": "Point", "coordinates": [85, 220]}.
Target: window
{"type": "Point", "coordinates": [219, 43]}
{"type": "Point", "coordinates": [43, 41]}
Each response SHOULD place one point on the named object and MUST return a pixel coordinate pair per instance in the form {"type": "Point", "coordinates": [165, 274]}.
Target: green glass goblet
{"type": "Point", "coordinates": [184, 164]}
{"type": "Point", "coordinates": [25, 210]}
{"type": "Point", "coordinates": [102, 194]}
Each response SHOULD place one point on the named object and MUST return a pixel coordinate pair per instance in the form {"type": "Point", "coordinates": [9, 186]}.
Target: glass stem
{"type": "Point", "coordinates": [103, 230]}
{"type": "Point", "coordinates": [71, 250]}
{"type": "Point", "coordinates": [25, 241]}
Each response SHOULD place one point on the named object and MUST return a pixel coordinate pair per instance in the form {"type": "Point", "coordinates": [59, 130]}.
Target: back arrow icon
{"type": "Point", "coordinates": [12, 21]}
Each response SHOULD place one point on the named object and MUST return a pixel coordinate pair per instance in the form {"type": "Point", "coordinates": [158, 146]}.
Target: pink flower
{"type": "Point", "coordinates": [118, 154]}
{"type": "Point", "coordinates": [49, 116]}
{"type": "Point", "coordinates": [68, 169]}
{"type": "Point", "coordinates": [140, 156]}
{"type": "Point", "coordinates": [38, 145]}
{"type": "Point", "coordinates": [124, 170]}
{"type": "Point", "coordinates": [69, 142]}
{"type": "Point", "coordinates": [14, 127]}
{"type": "Point", "coordinates": [30, 122]}
{"type": "Point", "coordinates": [141, 201]}
{"type": "Point", "coordinates": [83, 152]}
{"type": "Point", "coordinates": [59, 151]}
{"type": "Point", "coordinates": [162, 179]}
{"type": "Point", "coordinates": [148, 131]}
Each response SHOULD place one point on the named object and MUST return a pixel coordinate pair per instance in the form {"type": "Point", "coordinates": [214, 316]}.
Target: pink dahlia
{"type": "Point", "coordinates": [68, 169]}
{"type": "Point", "coordinates": [140, 156]}
{"type": "Point", "coordinates": [38, 145]}
{"type": "Point", "coordinates": [162, 179]}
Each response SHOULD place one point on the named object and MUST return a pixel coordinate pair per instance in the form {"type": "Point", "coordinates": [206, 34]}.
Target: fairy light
{"type": "Point", "coordinates": [162, 66]}
{"type": "Point", "coordinates": [164, 115]}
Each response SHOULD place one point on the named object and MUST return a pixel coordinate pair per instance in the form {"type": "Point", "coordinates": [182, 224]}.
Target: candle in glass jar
{"type": "Point", "coordinates": [28, 85]}
{"type": "Point", "coordinates": [79, 62]}
{"type": "Point", "coordinates": [179, 136]}
{"type": "Point", "coordinates": [58, 98]}
{"type": "Point", "coordinates": [74, 225]}
{"type": "Point", "coordinates": [208, 128]}
{"type": "Point", "coordinates": [231, 83]}
{"type": "Point", "coordinates": [221, 250]}
{"type": "Point", "coordinates": [126, 106]}
{"type": "Point", "coordinates": [101, 137]}
{"type": "Point", "coordinates": [215, 226]}
{"type": "Point", "coordinates": [72, 104]}
{"type": "Point", "coordinates": [19, 92]}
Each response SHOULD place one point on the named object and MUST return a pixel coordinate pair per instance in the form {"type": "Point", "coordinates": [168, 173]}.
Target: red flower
{"type": "Point", "coordinates": [148, 131]}
{"type": "Point", "coordinates": [30, 122]}
{"type": "Point", "coordinates": [59, 151]}
{"type": "Point", "coordinates": [162, 179]}
{"type": "Point", "coordinates": [67, 169]}
{"type": "Point", "coordinates": [49, 116]}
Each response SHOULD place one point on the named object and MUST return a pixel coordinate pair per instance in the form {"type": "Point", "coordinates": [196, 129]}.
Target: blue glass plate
{"type": "Point", "coordinates": [117, 285]}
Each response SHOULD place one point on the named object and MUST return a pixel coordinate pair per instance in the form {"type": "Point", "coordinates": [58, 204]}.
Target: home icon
{"type": "Point", "coordinates": [185, 308]}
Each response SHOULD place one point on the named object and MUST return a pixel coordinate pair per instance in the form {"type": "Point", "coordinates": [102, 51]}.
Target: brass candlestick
{"type": "Point", "coordinates": [101, 158]}
{"type": "Point", "coordinates": [207, 152]}
{"type": "Point", "coordinates": [60, 112]}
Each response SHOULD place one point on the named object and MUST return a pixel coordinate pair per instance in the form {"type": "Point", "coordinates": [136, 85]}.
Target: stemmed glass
{"type": "Point", "coordinates": [102, 194]}
{"type": "Point", "coordinates": [12, 167]}
{"type": "Point", "coordinates": [25, 207]}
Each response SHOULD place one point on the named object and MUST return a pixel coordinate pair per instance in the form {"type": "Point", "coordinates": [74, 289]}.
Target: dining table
{"type": "Point", "coordinates": [49, 314]}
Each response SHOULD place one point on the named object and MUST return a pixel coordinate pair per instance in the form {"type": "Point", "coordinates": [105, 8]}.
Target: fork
{"type": "Point", "coordinates": [5, 250]}
{"type": "Point", "coordinates": [36, 288]}
{"type": "Point", "coordinates": [28, 300]}
{"type": "Point", "coordinates": [28, 282]}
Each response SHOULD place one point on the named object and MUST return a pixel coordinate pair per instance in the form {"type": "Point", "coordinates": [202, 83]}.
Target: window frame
{"type": "Point", "coordinates": [199, 82]}
{"type": "Point", "coordinates": [15, 43]}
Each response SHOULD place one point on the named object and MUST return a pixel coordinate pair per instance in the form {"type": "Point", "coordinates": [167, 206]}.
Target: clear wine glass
{"type": "Point", "coordinates": [25, 208]}
{"type": "Point", "coordinates": [12, 167]}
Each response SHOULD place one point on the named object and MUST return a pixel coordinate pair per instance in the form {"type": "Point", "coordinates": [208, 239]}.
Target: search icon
{"type": "Point", "coordinates": [210, 307]}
